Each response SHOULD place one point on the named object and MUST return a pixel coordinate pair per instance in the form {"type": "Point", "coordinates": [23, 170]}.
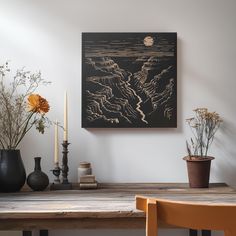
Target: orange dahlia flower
{"type": "Point", "coordinates": [38, 104]}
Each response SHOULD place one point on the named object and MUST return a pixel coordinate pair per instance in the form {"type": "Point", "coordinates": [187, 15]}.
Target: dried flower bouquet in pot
{"type": "Point", "coordinates": [203, 126]}
{"type": "Point", "coordinates": [20, 110]}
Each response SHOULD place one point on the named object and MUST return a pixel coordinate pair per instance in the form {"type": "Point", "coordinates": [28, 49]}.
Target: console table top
{"type": "Point", "coordinates": [112, 205]}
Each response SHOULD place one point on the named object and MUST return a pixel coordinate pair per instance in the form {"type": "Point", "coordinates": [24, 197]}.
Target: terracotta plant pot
{"type": "Point", "coordinates": [198, 171]}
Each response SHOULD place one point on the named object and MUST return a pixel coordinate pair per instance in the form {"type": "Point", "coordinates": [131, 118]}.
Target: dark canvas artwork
{"type": "Point", "coordinates": [129, 80]}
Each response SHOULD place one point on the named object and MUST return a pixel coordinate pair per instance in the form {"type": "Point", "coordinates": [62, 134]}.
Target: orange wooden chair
{"type": "Point", "coordinates": [187, 215]}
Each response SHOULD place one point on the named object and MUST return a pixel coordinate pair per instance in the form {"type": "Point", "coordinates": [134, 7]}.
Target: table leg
{"type": "Point", "coordinates": [192, 232]}
{"type": "Point", "coordinates": [206, 233]}
{"type": "Point", "coordinates": [43, 232]}
{"type": "Point", "coordinates": [26, 233]}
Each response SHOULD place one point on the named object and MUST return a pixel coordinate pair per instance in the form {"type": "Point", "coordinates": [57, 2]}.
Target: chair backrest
{"type": "Point", "coordinates": [187, 215]}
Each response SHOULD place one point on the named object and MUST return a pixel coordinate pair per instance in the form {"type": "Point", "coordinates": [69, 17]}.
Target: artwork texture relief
{"type": "Point", "coordinates": [129, 80]}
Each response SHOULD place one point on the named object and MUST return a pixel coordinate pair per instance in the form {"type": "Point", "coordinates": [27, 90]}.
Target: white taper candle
{"type": "Point", "coordinates": [65, 118]}
{"type": "Point", "coordinates": [56, 150]}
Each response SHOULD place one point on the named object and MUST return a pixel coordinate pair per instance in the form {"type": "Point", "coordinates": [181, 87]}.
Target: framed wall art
{"type": "Point", "coordinates": [129, 80]}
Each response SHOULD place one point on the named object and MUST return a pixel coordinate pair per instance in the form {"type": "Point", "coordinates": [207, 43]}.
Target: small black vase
{"type": "Point", "coordinates": [12, 171]}
{"type": "Point", "coordinates": [37, 180]}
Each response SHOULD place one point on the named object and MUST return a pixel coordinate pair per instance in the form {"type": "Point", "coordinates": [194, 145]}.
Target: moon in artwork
{"type": "Point", "coordinates": [148, 41]}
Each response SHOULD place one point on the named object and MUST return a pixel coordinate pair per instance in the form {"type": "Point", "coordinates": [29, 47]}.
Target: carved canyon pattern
{"type": "Point", "coordinates": [129, 80]}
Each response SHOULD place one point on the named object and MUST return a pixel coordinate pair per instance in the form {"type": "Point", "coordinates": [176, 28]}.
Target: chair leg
{"type": "Point", "coordinates": [151, 218]}
{"type": "Point", "coordinates": [206, 233]}
{"type": "Point", "coordinates": [26, 233]}
{"type": "Point", "coordinates": [192, 232]}
{"type": "Point", "coordinates": [43, 232]}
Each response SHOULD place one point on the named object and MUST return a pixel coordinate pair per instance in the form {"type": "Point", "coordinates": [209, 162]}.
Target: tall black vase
{"type": "Point", "coordinates": [37, 180]}
{"type": "Point", "coordinates": [12, 171]}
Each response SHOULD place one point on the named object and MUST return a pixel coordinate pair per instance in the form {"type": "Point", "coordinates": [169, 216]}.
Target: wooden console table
{"type": "Point", "coordinates": [110, 206]}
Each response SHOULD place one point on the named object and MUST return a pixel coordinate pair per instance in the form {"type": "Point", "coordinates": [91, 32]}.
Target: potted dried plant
{"type": "Point", "coordinates": [203, 126]}
{"type": "Point", "coordinates": [20, 110]}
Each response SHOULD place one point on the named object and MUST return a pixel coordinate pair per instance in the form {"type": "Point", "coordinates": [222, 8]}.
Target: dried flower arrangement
{"type": "Point", "coordinates": [203, 126]}
{"type": "Point", "coordinates": [20, 108]}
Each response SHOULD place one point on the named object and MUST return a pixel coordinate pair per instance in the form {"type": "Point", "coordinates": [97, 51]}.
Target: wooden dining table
{"type": "Point", "coordinates": [111, 206]}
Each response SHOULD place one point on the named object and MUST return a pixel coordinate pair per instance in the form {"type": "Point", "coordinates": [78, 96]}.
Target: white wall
{"type": "Point", "coordinates": [46, 35]}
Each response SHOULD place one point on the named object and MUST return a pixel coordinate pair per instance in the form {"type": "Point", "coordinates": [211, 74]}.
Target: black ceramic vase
{"type": "Point", "coordinates": [12, 171]}
{"type": "Point", "coordinates": [37, 180]}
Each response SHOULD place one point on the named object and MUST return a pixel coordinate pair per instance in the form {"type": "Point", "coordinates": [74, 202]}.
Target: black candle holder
{"type": "Point", "coordinates": [65, 168]}
{"type": "Point", "coordinates": [56, 172]}
{"type": "Point", "coordinates": [64, 185]}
